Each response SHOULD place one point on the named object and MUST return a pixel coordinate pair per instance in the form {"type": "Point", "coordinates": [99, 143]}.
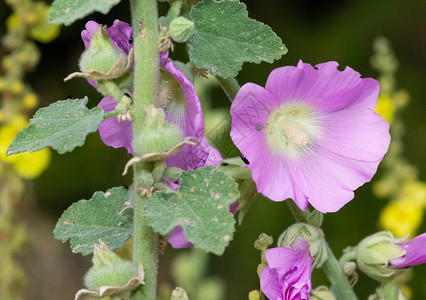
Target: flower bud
{"type": "Point", "coordinates": [101, 55]}
{"type": "Point", "coordinates": [179, 294]}
{"type": "Point", "coordinates": [322, 293]}
{"type": "Point", "coordinates": [173, 174]}
{"type": "Point", "coordinates": [263, 242]}
{"type": "Point", "coordinates": [181, 29]}
{"type": "Point", "coordinates": [108, 269]}
{"type": "Point", "coordinates": [374, 253]}
{"type": "Point", "coordinates": [254, 295]}
{"type": "Point", "coordinates": [157, 135]}
{"type": "Point", "coordinates": [309, 233]}
{"type": "Point", "coordinates": [388, 291]}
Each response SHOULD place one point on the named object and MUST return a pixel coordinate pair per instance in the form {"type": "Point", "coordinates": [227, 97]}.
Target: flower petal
{"type": "Point", "coordinates": [357, 132]}
{"type": "Point", "coordinates": [86, 35]}
{"type": "Point", "coordinates": [415, 253]}
{"type": "Point", "coordinates": [327, 88]}
{"type": "Point", "coordinates": [281, 259]}
{"type": "Point", "coordinates": [113, 133]}
{"type": "Point", "coordinates": [177, 239]}
{"type": "Point", "coordinates": [121, 33]}
{"type": "Point", "coordinates": [270, 284]}
{"type": "Point", "coordinates": [188, 116]}
{"type": "Point", "coordinates": [327, 180]}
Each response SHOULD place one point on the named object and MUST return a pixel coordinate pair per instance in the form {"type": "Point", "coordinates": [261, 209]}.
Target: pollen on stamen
{"type": "Point", "coordinates": [295, 133]}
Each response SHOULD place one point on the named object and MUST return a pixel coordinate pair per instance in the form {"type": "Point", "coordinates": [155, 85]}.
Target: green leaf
{"type": "Point", "coordinates": [201, 207]}
{"type": "Point", "coordinates": [62, 125]}
{"type": "Point", "coordinates": [86, 222]}
{"type": "Point", "coordinates": [68, 11]}
{"type": "Point", "coordinates": [225, 37]}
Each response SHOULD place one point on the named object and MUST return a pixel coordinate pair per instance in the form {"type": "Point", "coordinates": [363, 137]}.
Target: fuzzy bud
{"type": "Point", "coordinates": [101, 55]}
{"type": "Point", "coordinates": [173, 174]}
{"type": "Point", "coordinates": [374, 253]}
{"type": "Point", "coordinates": [263, 242]}
{"type": "Point", "coordinates": [108, 269]}
{"type": "Point", "coordinates": [181, 29]}
{"type": "Point", "coordinates": [157, 135]}
{"type": "Point", "coordinates": [388, 291]}
{"type": "Point", "coordinates": [322, 293]}
{"type": "Point", "coordinates": [309, 233]}
{"type": "Point", "coordinates": [254, 295]}
{"type": "Point", "coordinates": [179, 294]}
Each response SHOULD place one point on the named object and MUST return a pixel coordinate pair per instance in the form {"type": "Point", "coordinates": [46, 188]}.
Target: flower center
{"type": "Point", "coordinates": [292, 128]}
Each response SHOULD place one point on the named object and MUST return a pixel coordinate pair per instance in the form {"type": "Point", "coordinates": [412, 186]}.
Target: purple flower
{"type": "Point", "coordinates": [288, 273]}
{"type": "Point", "coordinates": [415, 253]}
{"type": "Point", "coordinates": [311, 134]}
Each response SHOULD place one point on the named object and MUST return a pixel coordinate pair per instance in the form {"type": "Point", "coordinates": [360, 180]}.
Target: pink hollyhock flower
{"type": "Point", "coordinates": [415, 253]}
{"type": "Point", "coordinates": [311, 134]}
{"type": "Point", "coordinates": [288, 273]}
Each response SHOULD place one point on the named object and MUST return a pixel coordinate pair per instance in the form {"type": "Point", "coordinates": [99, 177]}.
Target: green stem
{"type": "Point", "coordinates": [145, 247]}
{"type": "Point", "coordinates": [174, 12]}
{"type": "Point", "coordinates": [339, 282]}
{"type": "Point", "coordinates": [112, 89]}
{"type": "Point", "coordinates": [230, 86]}
{"type": "Point", "coordinates": [110, 114]}
{"type": "Point", "coordinates": [146, 77]}
{"type": "Point", "coordinates": [147, 60]}
{"type": "Point", "coordinates": [340, 285]}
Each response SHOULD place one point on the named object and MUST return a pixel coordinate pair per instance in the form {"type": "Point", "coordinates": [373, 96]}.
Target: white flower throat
{"type": "Point", "coordinates": [292, 128]}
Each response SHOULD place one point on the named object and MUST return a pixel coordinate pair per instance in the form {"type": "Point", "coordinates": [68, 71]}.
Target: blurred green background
{"type": "Point", "coordinates": [314, 31]}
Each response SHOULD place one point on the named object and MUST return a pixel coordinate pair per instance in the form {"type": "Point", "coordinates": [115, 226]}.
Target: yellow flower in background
{"type": "Point", "coordinates": [13, 22]}
{"type": "Point", "coordinates": [385, 108]}
{"type": "Point", "coordinates": [402, 217]}
{"type": "Point", "coordinates": [42, 31]}
{"type": "Point", "coordinates": [30, 101]}
{"type": "Point", "coordinates": [416, 191]}
{"type": "Point", "coordinates": [28, 165]}
{"type": "Point", "coordinates": [36, 21]}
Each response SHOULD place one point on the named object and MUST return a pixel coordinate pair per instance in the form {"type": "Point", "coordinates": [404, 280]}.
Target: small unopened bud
{"type": "Point", "coordinates": [374, 253]}
{"type": "Point", "coordinates": [173, 173]}
{"type": "Point", "coordinates": [179, 294]}
{"type": "Point", "coordinates": [101, 55]}
{"type": "Point", "coordinates": [254, 295]}
{"type": "Point", "coordinates": [157, 135]}
{"type": "Point", "coordinates": [322, 293]}
{"type": "Point", "coordinates": [181, 29]}
{"type": "Point", "coordinates": [309, 233]}
{"type": "Point", "coordinates": [108, 269]}
{"type": "Point", "coordinates": [263, 242]}
{"type": "Point", "coordinates": [388, 291]}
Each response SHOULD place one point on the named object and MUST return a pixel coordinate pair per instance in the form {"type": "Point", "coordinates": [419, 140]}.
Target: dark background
{"type": "Point", "coordinates": [314, 31]}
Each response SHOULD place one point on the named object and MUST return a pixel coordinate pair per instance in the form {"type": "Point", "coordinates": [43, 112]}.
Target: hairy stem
{"type": "Point", "coordinates": [340, 285]}
{"type": "Point", "coordinates": [145, 247]}
{"type": "Point", "coordinates": [174, 12]}
{"type": "Point", "coordinates": [146, 76]}
{"type": "Point", "coordinates": [230, 86]}
{"type": "Point", "coordinates": [147, 60]}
